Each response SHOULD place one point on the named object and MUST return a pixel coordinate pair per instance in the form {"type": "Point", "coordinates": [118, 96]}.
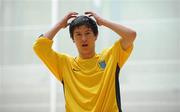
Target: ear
{"type": "Point", "coordinates": [73, 40]}
{"type": "Point", "coordinates": [96, 37]}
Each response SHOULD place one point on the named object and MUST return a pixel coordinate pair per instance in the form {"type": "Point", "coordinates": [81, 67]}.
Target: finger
{"type": "Point", "coordinates": [72, 16]}
{"type": "Point", "coordinates": [73, 13]}
{"type": "Point", "coordinates": [90, 15]}
{"type": "Point", "coordinates": [88, 12]}
{"type": "Point", "coordinates": [67, 24]}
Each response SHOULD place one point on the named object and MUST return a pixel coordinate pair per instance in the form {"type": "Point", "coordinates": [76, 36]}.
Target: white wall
{"type": "Point", "coordinates": [149, 80]}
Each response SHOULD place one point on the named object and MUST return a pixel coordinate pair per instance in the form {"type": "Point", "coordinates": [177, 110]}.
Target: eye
{"type": "Point", "coordinates": [78, 34]}
{"type": "Point", "coordinates": [88, 33]}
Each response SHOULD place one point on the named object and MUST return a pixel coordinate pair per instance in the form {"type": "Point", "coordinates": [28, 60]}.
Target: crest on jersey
{"type": "Point", "coordinates": [102, 64]}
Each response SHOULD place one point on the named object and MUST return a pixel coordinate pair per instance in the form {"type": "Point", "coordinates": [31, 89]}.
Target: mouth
{"type": "Point", "coordinates": [84, 45]}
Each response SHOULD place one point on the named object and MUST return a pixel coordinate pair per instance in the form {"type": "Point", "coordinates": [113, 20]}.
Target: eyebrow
{"type": "Point", "coordinates": [88, 30]}
{"type": "Point", "coordinates": [85, 31]}
{"type": "Point", "coordinates": [76, 32]}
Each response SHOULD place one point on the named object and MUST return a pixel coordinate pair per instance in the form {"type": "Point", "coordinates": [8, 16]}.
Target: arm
{"type": "Point", "coordinates": [127, 34]}
{"type": "Point", "coordinates": [61, 24]}
{"type": "Point", "coordinates": [43, 48]}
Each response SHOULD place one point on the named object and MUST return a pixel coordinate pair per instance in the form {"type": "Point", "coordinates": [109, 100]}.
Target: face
{"type": "Point", "coordinates": [84, 39]}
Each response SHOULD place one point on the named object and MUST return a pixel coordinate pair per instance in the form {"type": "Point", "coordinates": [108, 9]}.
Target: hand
{"type": "Point", "coordinates": [98, 19]}
{"type": "Point", "coordinates": [61, 24]}
{"type": "Point", "coordinates": [64, 21]}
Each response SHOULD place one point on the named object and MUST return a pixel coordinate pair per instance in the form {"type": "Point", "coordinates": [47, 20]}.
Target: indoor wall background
{"type": "Point", "coordinates": [150, 80]}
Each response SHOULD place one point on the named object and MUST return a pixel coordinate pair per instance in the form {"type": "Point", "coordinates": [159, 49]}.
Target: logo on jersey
{"type": "Point", "coordinates": [102, 64]}
{"type": "Point", "coordinates": [75, 69]}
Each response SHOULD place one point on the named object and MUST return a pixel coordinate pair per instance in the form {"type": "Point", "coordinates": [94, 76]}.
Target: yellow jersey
{"type": "Point", "coordinates": [90, 85]}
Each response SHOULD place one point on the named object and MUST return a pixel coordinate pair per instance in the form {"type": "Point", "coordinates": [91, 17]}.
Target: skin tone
{"type": "Point", "coordinates": [127, 34]}
{"type": "Point", "coordinates": [85, 39]}
{"type": "Point", "coordinates": [60, 25]}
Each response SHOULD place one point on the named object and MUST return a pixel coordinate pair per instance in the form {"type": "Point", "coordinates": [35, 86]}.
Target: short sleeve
{"type": "Point", "coordinates": [119, 54]}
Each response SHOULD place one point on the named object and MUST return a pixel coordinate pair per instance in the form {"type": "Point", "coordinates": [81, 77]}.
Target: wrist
{"type": "Point", "coordinates": [103, 22]}
{"type": "Point", "coordinates": [60, 25]}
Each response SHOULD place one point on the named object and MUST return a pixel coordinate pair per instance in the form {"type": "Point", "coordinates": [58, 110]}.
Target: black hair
{"type": "Point", "coordinates": [83, 20]}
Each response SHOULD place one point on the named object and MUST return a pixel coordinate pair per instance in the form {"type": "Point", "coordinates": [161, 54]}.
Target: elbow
{"type": "Point", "coordinates": [133, 35]}
{"type": "Point", "coordinates": [35, 48]}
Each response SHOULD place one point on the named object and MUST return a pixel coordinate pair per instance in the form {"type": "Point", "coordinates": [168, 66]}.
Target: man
{"type": "Point", "coordinates": [90, 80]}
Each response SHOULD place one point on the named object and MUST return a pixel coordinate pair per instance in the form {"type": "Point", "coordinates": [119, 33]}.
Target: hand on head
{"type": "Point", "coordinates": [96, 17]}
{"type": "Point", "coordinates": [69, 16]}
{"type": "Point", "coordinates": [73, 15]}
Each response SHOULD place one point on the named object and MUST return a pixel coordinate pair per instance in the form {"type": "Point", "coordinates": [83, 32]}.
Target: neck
{"type": "Point", "coordinates": [87, 55]}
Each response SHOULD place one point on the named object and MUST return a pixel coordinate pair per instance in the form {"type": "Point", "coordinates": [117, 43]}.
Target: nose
{"type": "Point", "coordinates": [84, 38]}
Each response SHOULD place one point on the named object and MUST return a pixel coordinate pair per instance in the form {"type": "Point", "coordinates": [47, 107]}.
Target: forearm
{"type": "Point", "coordinates": [61, 24]}
{"type": "Point", "coordinates": [51, 33]}
{"type": "Point", "coordinates": [124, 32]}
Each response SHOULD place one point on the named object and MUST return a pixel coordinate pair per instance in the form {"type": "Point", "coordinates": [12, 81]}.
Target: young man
{"type": "Point", "coordinates": [90, 80]}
